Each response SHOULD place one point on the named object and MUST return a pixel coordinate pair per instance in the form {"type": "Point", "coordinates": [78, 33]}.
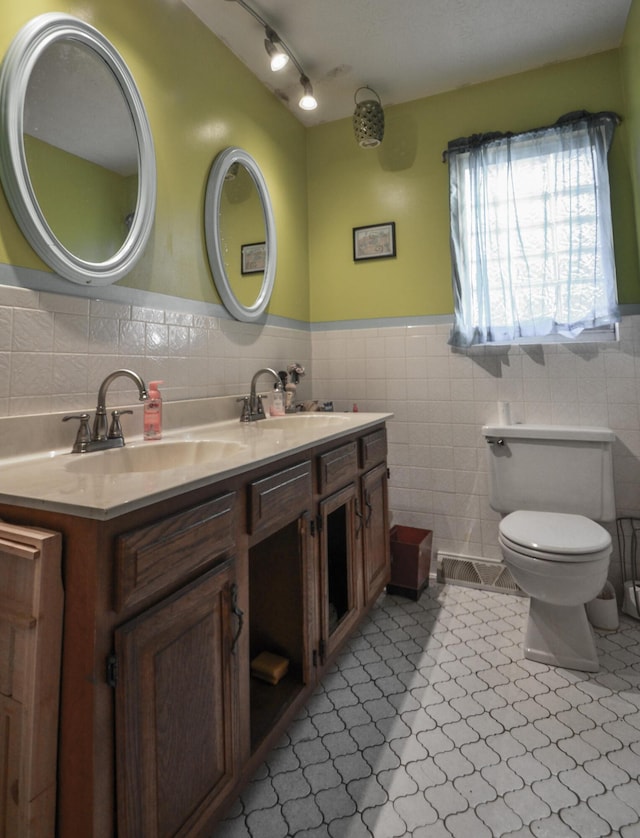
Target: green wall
{"type": "Point", "coordinates": [405, 181]}
{"type": "Point", "coordinates": [630, 71]}
{"type": "Point", "coordinates": [200, 99]}
{"type": "Point", "coordinates": [242, 223]}
{"type": "Point", "coordinates": [90, 221]}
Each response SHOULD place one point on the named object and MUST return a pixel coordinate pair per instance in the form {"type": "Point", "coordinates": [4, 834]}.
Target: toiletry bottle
{"type": "Point", "coordinates": [277, 401]}
{"type": "Point", "coordinates": [289, 396]}
{"type": "Point", "coordinates": [153, 412]}
{"type": "Point", "coordinates": [288, 391]}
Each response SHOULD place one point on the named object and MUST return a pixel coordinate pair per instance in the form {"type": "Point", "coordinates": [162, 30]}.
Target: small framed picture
{"type": "Point", "coordinates": [376, 241]}
{"type": "Point", "coordinates": [253, 257]}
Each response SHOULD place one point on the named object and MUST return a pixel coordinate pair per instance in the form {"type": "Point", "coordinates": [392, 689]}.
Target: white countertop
{"type": "Point", "coordinates": [79, 484]}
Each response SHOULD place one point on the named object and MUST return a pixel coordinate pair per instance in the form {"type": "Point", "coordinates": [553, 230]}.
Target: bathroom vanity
{"type": "Point", "coordinates": [176, 577]}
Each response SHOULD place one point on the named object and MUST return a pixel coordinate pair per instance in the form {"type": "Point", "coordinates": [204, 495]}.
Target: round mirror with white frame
{"type": "Point", "coordinates": [238, 250]}
{"type": "Point", "coordinates": [77, 160]}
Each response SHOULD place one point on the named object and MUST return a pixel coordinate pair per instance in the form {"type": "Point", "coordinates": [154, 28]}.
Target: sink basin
{"type": "Point", "coordinates": [308, 421]}
{"type": "Point", "coordinates": [154, 456]}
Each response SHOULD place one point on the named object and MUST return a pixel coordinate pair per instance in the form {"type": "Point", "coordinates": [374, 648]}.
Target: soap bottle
{"type": "Point", "coordinates": [152, 410]}
{"type": "Point", "coordinates": [277, 401]}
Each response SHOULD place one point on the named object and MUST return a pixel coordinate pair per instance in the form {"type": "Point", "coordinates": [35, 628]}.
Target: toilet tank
{"type": "Point", "coordinates": [551, 468]}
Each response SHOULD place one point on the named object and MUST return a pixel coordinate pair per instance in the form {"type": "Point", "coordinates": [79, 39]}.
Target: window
{"type": "Point", "coordinates": [531, 237]}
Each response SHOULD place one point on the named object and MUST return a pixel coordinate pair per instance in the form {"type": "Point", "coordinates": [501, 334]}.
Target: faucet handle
{"type": "Point", "coordinates": [245, 416]}
{"type": "Point", "coordinates": [115, 429]}
{"type": "Point", "coordinates": [83, 437]}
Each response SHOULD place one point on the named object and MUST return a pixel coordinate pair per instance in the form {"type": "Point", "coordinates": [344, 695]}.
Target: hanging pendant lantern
{"type": "Point", "coordinates": [368, 120]}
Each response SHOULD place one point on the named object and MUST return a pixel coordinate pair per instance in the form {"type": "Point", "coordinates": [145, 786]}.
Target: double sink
{"type": "Point", "coordinates": [192, 453]}
{"type": "Point", "coordinates": [229, 439]}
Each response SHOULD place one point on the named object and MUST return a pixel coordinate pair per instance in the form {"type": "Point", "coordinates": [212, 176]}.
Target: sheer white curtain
{"type": "Point", "coordinates": [531, 237]}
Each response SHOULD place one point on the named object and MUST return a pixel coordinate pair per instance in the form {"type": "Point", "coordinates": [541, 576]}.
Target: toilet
{"type": "Point", "coordinates": [553, 485]}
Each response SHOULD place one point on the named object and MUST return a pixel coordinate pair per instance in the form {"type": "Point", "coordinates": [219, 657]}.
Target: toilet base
{"type": "Point", "coordinates": [560, 635]}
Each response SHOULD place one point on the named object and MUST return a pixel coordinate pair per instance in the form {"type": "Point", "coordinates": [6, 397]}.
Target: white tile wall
{"type": "Point", "coordinates": [441, 397]}
{"type": "Point", "coordinates": [56, 349]}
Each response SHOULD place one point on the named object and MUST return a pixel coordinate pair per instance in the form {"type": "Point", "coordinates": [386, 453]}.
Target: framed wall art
{"type": "Point", "coordinates": [377, 241]}
{"type": "Point", "coordinates": [253, 257]}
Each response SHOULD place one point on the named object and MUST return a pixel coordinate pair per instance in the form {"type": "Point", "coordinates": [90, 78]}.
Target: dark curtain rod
{"type": "Point", "coordinates": [462, 144]}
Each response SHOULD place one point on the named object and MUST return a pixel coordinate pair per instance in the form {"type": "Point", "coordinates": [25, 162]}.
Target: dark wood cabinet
{"type": "Point", "coordinates": [176, 710]}
{"type": "Point", "coordinates": [375, 532]}
{"type": "Point", "coordinates": [174, 669]}
{"type": "Point", "coordinates": [353, 535]}
{"type": "Point", "coordinates": [278, 497]}
{"type": "Point", "coordinates": [374, 509]}
{"type": "Point", "coordinates": [152, 559]}
{"type": "Point", "coordinates": [337, 467]}
{"type": "Point", "coordinates": [162, 723]}
{"type": "Point", "coordinates": [281, 622]}
{"type": "Point", "coordinates": [340, 589]}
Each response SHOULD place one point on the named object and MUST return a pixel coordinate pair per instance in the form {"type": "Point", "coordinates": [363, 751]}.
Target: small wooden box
{"type": "Point", "coordinates": [410, 561]}
{"type": "Point", "coordinates": [269, 667]}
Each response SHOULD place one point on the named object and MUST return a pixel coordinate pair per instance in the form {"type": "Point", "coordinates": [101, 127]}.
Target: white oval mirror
{"type": "Point", "coordinates": [240, 234]}
{"type": "Point", "coordinates": [77, 161]}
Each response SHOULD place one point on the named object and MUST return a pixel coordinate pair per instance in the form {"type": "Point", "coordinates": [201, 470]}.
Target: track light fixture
{"type": "Point", "coordinates": [308, 101]}
{"type": "Point", "coordinates": [280, 55]}
{"type": "Point", "coordinates": [277, 56]}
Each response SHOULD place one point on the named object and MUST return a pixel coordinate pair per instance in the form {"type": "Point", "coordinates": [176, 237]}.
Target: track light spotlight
{"type": "Point", "coordinates": [308, 101]}
{"type": "Point", "coordinates": [273, 45]}
{"type": "Point", "coordinates": [280, 54]}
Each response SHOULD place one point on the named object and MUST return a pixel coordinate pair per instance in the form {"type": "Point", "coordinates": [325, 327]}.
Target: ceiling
{"type": "Point", "coordinates": [408, 49]}
{"type": "Point", "coordinates": [74, 102]}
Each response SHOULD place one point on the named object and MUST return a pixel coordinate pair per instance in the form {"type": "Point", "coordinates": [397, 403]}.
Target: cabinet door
{"type": "Point", "coordinates": [375, 531]}
{"type": "Point", "coordinates": [31, 615]}
{"type": "Point", "coordinates": [340, 596]}
{"type": "Point", "coordinates": [176, 723]}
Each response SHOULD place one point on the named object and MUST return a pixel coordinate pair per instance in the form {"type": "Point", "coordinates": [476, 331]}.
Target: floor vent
{"type": "Point", "coordinates": [488, 574]}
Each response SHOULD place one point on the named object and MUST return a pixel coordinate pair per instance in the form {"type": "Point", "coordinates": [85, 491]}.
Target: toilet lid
{"type": "Point", "coordinates": [554, 532]}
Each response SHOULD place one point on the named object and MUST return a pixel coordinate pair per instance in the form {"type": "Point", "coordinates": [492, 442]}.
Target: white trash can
{"type": "Point", "coordinates": [631, 598]}
{"type": "Point", "coordinates": [603, 610]}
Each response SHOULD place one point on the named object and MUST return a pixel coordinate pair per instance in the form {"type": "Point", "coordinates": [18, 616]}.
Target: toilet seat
{"type": "Point", "coordinates": [555, 536]}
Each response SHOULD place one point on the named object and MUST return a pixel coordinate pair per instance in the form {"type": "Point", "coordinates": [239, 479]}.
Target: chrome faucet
{"type": "Point", "coordinates": [252, 408]}
{"type": "Point", "coordinates": [100, 419]}
{"type": "Point", "coordinates": [100, 437]}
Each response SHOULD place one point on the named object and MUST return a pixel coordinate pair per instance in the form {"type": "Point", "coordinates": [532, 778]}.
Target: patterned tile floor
{"type": "Point", "coordinates": [433, 724]}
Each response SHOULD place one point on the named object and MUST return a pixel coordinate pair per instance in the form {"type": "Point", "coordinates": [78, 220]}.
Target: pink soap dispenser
{"type": "Point", "coordinates": [153, 412]}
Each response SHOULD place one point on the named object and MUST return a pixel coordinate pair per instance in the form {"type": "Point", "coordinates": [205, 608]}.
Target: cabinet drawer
{"type": "Point", "coordinates": [337, 467]}
{"type": "Point", "coordinates": [154, 558]}
{"type": "Point", "coordinates": [281, 497]}
{"type": "Point", "coordinates": [373, 448]}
